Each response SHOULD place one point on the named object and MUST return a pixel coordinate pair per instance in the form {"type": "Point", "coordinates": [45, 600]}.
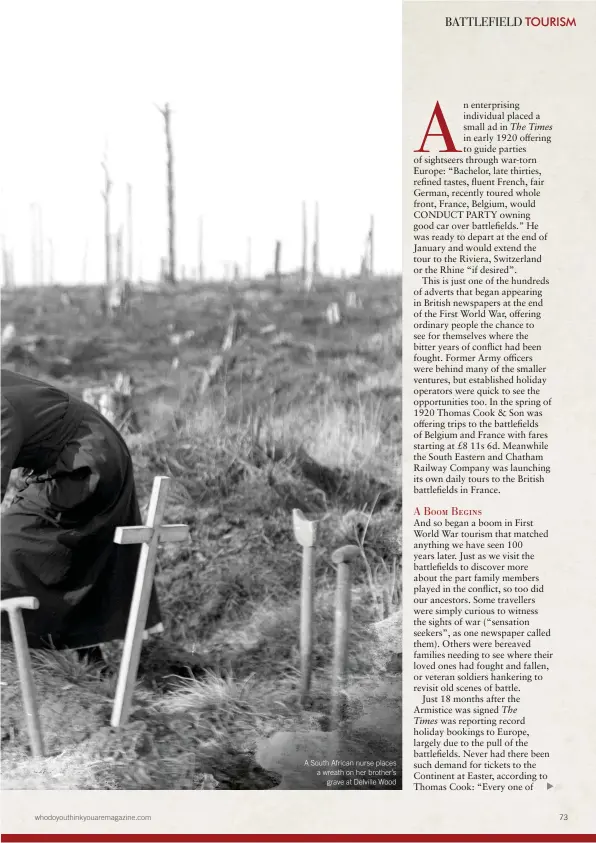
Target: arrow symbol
{"type": "Point", "coordinates": [549, 785]}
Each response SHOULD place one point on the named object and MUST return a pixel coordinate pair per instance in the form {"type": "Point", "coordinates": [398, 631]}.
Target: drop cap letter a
{"type": "Point", "coordinates": [444, 133]}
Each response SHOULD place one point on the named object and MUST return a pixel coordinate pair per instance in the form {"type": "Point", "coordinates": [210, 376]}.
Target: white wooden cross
{"type": "Point", "coordinates": [149, 536]}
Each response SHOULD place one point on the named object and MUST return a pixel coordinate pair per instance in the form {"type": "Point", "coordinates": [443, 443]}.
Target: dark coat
{"type": "Point", "coordinates": [57, 533]}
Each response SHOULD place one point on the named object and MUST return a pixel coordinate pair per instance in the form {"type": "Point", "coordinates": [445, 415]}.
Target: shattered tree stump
{"type": "Point", "coordinates": [226, 356]}
{"type": "Point", "coordinates": [353, 301]}
{"type": "Point", "coordinates": [115, 402]}
{"type": "Point", "coordinates": [333, 314]}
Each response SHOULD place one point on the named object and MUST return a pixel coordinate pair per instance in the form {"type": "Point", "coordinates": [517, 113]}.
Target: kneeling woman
{"type": "Point", "coordinates": [57, 533]}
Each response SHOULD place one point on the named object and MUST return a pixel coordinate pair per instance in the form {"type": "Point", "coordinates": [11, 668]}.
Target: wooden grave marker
{"type": "Point", "coordinates": [342, 559]}
{"type": "Point", "coordinates": [305, 533]}
{"type": "Point", "coordinates": [14, 607]}
{"type": "Point", "coordinates": [149, 537]}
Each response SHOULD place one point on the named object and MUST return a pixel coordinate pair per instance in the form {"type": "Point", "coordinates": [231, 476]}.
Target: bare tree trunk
{"type": "Point", "coordinates": [34, 255]}
{"type": "Point", "coordinates": [201, 277]}
{"type": "Point", "coordinates": [11, 270]}
{"type": "Point", "coordinates": [371, 246]}
{"type": "Point", "coordinates": [130, 264]}
{"type": "Point", "coordinates": [166, 111]}
{"type": "Point", "coordinates": [107, 232]}
{"type": "Point", "coordinates": [140, 260]}
{"type": "Point", "coordinates": [315, 245]}
{"type": "Point", "coordinates": [5, 283]}
{"type": "Point", "coordinates": [7, 266]}
{"type": "Point", "coordinates": [366, 264]}
{"type": "Point", "coordinates": [277, 270]}
{"type": "Point", "coordinates": [41, 255]}
{"type": "Point", "coordinates": [119, 259]}
{"type": "Point", "coordinates": [107, 236]}
{"type": "Point", "coordinates": [304, 244]}
{"type": "Point", "coordinates": [364, 268]}
{"type": "Point", "coordinates": [51, 245]}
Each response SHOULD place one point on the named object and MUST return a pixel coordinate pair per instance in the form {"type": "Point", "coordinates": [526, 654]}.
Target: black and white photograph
{"type": "Point", "coordinates": [200, 234]}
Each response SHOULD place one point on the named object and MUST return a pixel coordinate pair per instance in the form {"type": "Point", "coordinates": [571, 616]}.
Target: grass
{"type": "Point", "coordinates": [307, 416]}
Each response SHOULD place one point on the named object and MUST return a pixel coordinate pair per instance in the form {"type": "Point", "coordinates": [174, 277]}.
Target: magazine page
{"type": "Point", "coordinates": [298, 427]}
{"type": "Point", "coordinates": [499, 417]}
{"type": "Point", "coordinates": [201, 325]}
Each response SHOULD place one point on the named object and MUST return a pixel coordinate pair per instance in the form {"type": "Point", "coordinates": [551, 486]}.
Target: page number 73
{"type": "Point", "coordinates": [563, 817]}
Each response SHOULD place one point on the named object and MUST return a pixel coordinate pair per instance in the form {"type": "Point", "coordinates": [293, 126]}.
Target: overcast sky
{"type": "Point", "coordinates": [274, 102]}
